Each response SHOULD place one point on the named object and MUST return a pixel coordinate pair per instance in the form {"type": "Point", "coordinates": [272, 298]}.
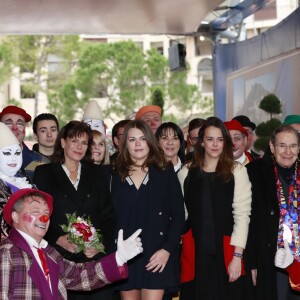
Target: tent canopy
{"type": "Point", "coordinates": [103, 16]}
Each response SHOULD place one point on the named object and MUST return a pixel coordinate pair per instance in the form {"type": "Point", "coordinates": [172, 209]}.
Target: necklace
{"type": "Point", "coordinates": [75, 169]}
{"type": "Point", "coordinates": [289, 209]}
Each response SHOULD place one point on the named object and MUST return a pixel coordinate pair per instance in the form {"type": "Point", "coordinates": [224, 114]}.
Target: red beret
{"type": "Point", "coordinates": [12, 109]}
{"type": "Point", "coordinates": [7, 210]}
{"type": "Point", "coordinates": [236, 125]}
{"type": "Point", "coordinates": [148, 108]}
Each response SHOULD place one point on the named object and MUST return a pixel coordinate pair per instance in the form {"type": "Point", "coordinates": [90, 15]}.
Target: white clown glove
{"type": "Point", "coordinates": [284, 257]}
{"type": "Point", "coordinates": [129, 248]}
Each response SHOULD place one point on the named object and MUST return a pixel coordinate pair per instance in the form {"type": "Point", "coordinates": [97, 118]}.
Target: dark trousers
{"type": "Point", "coordinates": [187, 290]}
{"type": "Point", "coordinates": [284, 291]}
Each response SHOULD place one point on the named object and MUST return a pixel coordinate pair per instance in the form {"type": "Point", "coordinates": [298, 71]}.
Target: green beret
{"type": "Point", "coordinates": [291, 119]}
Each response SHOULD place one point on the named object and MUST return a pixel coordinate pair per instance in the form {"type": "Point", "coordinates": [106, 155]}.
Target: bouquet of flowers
{"type": "Point", "coordinates": [82, 233]}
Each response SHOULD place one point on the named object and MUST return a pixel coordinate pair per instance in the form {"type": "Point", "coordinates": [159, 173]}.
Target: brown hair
{"type": "Point", "coordinates": [123, 162]}
{"type": "Point", "coordinates": [71, 130]}
{"type": "Point", "coordinates": [225, 164]}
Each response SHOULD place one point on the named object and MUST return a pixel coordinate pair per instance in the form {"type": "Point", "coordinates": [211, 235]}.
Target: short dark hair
{"type": "Point", "coordinates": [70, 130]}
{"type": "Point", "coordinates": [43, 117]}
{"type": "Point", "coordinates": [115, 129]}
{"type": "Point", "coordinates": [162, 130]}
{"type": "Point", "coordinates": [195, 123]}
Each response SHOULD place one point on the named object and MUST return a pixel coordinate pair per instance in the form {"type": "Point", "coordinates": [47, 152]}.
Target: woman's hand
{"type": "Point", "coordinates": [90, 252]}
{"type": "Point", "coordinates": [234, 269]}
{"type": "Point", "coordinates": [63, 242]}
{"type": "Point", "coordinates": [158, 261]}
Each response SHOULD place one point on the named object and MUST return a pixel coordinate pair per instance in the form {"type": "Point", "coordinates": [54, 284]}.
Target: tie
{"type": "Point", "coordinates": [42, 257]}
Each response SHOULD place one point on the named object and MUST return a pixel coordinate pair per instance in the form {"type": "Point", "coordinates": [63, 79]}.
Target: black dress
{"type": "Point", "coordinates": [157, 208]}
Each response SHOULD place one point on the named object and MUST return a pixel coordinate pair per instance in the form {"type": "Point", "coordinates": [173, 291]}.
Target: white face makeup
{"type": "Point", "coordinates": [10, 160]}
{"type": "Point", "coordinates": [95, 125]}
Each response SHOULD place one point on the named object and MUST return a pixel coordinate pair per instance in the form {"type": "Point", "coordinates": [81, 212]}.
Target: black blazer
{"type": "Point", "coordinates": [263, 229]}
{"type": "Point", "coordinates": [91, 199]}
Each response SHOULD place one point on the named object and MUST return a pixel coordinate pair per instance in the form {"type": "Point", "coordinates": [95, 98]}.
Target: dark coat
{"type": "Point", "coordinates": [263, 230]}
{"type": "Point", "coordinates": [222, 199]}
{"type": "Point", "coordinates": [91, 199]}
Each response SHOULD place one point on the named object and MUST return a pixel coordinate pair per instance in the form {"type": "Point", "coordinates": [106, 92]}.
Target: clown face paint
{"type": "Point", "coordinates": [33, 218]}
{"type": "Point", "coordinates": [95, 125]}
{"type": "Point", "coordinates": [10, 160]}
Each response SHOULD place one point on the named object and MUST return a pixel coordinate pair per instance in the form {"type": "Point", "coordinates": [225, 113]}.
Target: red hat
{"type": "Point", "coordinates": [236, 125]}
{"type": "Point", "coordinates": [12, 109]}
{"type": "Point", "coordinates": [148, 108]}
{"type": "Point", "coordinates": [7, 210]}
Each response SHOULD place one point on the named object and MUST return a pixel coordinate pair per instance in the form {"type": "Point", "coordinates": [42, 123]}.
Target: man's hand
{"type": "Point", "coordinates": [63, 242]}
{"type": "Point", "coordinates": [90, 252]}
{"type": "Point", "coordinates": [284, 257]}
{"type": "Point", "coordinates": [129, 248]}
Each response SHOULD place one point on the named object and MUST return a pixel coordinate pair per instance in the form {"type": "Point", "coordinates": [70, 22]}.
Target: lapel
{"type": "Point", "coordinates": [84, 187]}
{"type": "Point", "coordinates": [82, 193]}
{"type": "Point", "coordinates": [35, 272]}
{"type": "Point", "coordinates": [269, 176]}
{"type": "Point", "coordinates": [62, 180]}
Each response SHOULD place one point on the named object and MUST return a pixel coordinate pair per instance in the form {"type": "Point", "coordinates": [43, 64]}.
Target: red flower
{"type": "Point", "coordinates": [84, 230]}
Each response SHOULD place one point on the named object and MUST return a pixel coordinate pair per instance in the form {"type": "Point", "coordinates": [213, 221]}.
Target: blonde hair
{"type": "Point", "coordinates": [105, 160]}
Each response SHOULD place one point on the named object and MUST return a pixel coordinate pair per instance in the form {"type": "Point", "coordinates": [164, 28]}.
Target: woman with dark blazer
{"type": "Point", "coordinates": [217, 194]}
{"type": "Point", "coordinates": [147, 195]}
{"type": "Point", "coordinates": [275, 180]}
{"type": "Point", "coordinates": [77, 186]}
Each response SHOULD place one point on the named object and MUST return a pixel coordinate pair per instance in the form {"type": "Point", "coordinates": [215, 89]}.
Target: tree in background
{"type": "Point", "coordinates": [272, 105]}
{"type": "Point", "coordinates": [128, 78]}
{"type": "Point", "coordinates": [6, 62]}
{"type": "Point", "coordinates": [157, 98]}
{"type": "Point", "coordinates": [42, 62]}
{"type": "Point", "coordinates": [70, 73]}
{"type": "Point", "coordinates": [64, 103]}
{"type": "Point", "coordinates": [115, 71]}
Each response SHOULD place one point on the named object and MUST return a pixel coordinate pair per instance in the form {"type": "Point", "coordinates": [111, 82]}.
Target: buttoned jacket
{"type": "Point", "coordinates": [91, 199]}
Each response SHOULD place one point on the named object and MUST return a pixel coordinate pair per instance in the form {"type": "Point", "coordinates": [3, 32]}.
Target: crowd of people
{"type": "Point", "coordinates": [196, 217]}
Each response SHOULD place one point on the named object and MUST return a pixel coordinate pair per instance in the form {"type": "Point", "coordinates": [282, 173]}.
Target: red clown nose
{"type": "Point", "coordinates": [44, 218]}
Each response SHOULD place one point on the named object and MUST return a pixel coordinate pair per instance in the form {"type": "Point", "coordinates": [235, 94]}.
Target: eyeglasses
{"type": "Point", "coordinates": [284, 147]}
{"type": "Point", "coordinates": [20, 125]}
{"type": "Point", "coordinates": [237, 139]}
